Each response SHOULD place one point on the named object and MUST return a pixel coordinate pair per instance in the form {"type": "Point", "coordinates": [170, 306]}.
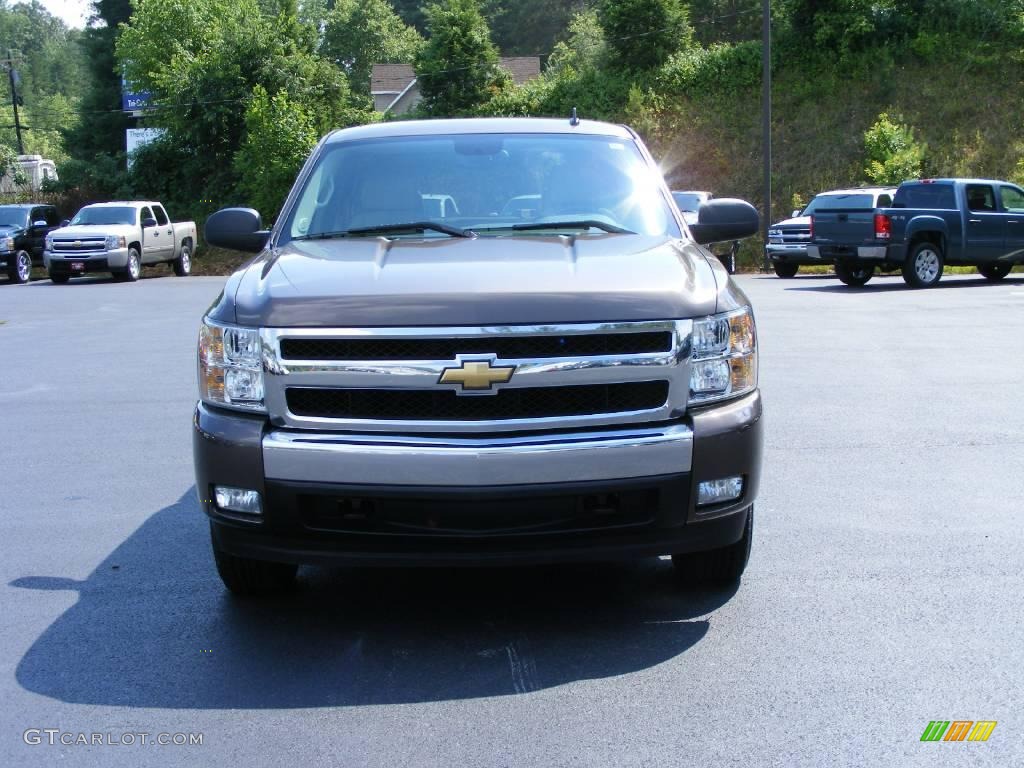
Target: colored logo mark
{"type": "Point", "coordinates": [958, 730]}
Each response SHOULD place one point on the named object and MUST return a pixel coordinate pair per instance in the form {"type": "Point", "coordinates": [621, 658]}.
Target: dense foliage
{"type": "Point", "coordinates": [457, 68]}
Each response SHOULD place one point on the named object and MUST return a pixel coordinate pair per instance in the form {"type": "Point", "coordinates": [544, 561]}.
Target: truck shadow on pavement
{"type": "Point", "coordinates": [154, 628]}
{"type": "Point", "coordinates": [887, 284]}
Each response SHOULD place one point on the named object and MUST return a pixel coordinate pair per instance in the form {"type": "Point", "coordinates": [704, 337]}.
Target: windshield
{"type": "Point", "coordinates": [106, 214]}
{"type": "Point", "coordinates": [831, 202]}
{"type": "Point", "coordinates": [13, 217]}
{"type": "Point", "coordinates": [486, 184]}
{"type": "Point", "coordinates": [688, 201]}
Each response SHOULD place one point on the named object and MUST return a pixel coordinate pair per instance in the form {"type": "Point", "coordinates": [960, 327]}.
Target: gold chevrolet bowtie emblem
{"type": "Point", "coordinates": [477, 375]}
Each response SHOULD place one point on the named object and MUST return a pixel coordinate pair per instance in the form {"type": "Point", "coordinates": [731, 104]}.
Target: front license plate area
{"type": "Point", "coordinates": [78, 266]}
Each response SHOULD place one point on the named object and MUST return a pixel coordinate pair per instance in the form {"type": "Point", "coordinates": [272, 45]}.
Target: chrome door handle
{"type": "Point", "coordinates": [974, 221]}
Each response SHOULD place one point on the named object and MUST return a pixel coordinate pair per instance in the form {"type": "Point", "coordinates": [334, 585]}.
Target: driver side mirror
{"type": "Point", "coordinates": [149, 222]}
{"type": "Point", "coordinates": [796, 214]}
{"type": "Point", "coordinates": [725, 219]}
{"type": "Point", "coordinates": [237, 229]}
{"type": "Point", "coordinates": [39, 224]}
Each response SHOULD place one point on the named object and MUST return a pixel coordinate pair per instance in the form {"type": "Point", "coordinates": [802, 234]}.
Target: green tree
{"type": "Point", "coordinates": [893, 155]}
{"type": "Point", "coordinates": [361, 33]}
{"type": "Point", "coordinates": [457, 68]}
{"type": "Point", "coordinates": [278, 138]}
{"type": "Point", "coordinates": [101, 131]}
{"type": "Point", "coordinates": [644, 33]}
{"type": "Point", "coordinates": [583, 47]}
{"type": "Point", "coordinates": [203, 60]}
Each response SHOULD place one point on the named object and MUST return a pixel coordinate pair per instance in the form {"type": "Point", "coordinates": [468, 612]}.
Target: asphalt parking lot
{"type": "Point", "coordinates": [884, 589]}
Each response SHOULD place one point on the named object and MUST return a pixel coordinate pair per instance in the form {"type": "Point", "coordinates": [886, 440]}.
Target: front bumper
{"type": "Point", "coordinates": [411, 500]}
{"type": "Point", "coordinates": [92, 261]}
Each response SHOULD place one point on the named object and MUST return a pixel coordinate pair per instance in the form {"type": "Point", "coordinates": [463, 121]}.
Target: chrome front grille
{"type": "Point", "coordinates": [79, 245]}
{"type": "Point", "coordinates": [390, 379]}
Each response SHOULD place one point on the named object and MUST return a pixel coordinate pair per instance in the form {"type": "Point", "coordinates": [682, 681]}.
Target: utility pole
{"type": "Point", "coordinates": [766, 117]}
{"type": "Point", "coordinates": [12, 74]}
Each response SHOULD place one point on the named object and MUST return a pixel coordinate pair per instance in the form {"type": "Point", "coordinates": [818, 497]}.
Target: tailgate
{"type": "Point", "coordinates": [844, 226]}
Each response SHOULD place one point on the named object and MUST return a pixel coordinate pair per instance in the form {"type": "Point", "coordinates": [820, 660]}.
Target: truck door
{"type": "Point", "coordinates": [985, 224]}
{"type": "Point", "coordinates": [163, 223]}
{"type": "Point", "coordinates": [152, 242]}
{"type": "Point", "coordinates": [1012, 200]}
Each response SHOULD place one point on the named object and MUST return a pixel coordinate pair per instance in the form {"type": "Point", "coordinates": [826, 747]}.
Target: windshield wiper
{"type": "Point", "coordinates": [412, 226]}
{"type": "Point", "coordinates": [578, 224]}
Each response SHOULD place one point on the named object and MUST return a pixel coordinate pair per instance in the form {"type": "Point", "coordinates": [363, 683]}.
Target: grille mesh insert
{"type": "Point", "coordinates": [446, 405]}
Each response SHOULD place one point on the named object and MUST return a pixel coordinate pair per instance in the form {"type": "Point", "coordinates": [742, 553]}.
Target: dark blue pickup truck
{"type": "Point", "coordinates": [932, 223]}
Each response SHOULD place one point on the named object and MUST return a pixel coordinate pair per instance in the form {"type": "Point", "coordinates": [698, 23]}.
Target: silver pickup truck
{"type": "Point", "coordinates": [388, 383]}
{"type": "Point", "coordinates": [119, 238]}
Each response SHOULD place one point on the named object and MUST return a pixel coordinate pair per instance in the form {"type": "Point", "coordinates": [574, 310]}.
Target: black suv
{"type": "Point", "coordinates": [23, 228]}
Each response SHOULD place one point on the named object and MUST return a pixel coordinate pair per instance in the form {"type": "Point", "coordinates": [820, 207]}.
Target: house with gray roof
{"type": "Point", "coordinates": [394, 88]}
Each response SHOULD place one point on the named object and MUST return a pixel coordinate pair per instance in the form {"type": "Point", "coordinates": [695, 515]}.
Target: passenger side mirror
{"type": "Point", "coordinates": [238, 229]}
{"type": "Point", "coordinates": [796, 214]}
{"type": "Point", "coordinates": [725, 219]}
{"type": "Point", "coordinates": [149, 222]}
{"type": "Point", "coordinates": [65, 222]}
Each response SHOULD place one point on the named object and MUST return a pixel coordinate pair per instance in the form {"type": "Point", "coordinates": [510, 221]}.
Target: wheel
{"type": "Point", "coordinates": [58, 278]}
{"type": "Point", "coordinates": [994, 271]}
{"type": "Point", "coordinates": [183, 264]}
{"type": "Point", "coordinates": [923, 268]}
{"type": "Point", "coordinates": [785, 270]}
{"type": "Point", "coordinates": [253, 578]}
{"type": "Point", "coordinates": [133, 269]}
{"type": "Point", "coordinates": [717, 566]}
{"type": "Point", "coordinates": [854, 275]}
{"type": "Point", "coordinates": [21, 269]}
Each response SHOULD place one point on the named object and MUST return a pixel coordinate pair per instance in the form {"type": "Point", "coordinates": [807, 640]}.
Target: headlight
{"type": "Point", "coordinates": [114, 242]}
{"type": "Point", "coordinates": [724, 361]}
{"type": "Point", "coordinates": [8, 243]}
{"type": "Point", "coordinates": [48, 243]}
{"type": "Point", "coordinates": [231, 367]}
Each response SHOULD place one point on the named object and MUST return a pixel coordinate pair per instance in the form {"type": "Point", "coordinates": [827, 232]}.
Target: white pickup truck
{"type": "Point", "coordinates": [119, 238]}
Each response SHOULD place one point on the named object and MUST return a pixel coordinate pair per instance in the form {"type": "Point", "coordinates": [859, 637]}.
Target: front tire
{"type": "Point", "coordinates": [253, 578]}
{"type": "Point", "coordinates": [786, 271]}
{"type": "Point", "coordinates": [923, 268]}
{"type": "Point", "coordinates": [132, 269]}
{"type": "Point", "coordinates": [723, 566]}
{"type": "Point", "coordinates": [21, 269]}
{"type": "Point", "coordinates": [183, 264]}
{"type": "Point", "coordinates": [854, 275]}
{"type": "Point", "coordinates": [994, 272]}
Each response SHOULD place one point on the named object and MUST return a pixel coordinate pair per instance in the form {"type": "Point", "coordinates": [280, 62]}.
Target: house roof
{"type": "Point", "coordinates": [395, 78]}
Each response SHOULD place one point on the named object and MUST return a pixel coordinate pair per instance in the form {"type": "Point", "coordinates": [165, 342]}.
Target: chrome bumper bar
{"type": "Point", "coordinates": [455, 461]}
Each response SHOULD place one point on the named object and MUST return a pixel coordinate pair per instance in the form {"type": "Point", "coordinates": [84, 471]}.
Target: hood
{"type": "Point", "coordinates": [84, 232]}
{"type": "Point", "coordinates": [6, 230]}
{"type": "Point", "coordinates": [484, 281]}
{"type": "Point", "coordinates": [801, 222]}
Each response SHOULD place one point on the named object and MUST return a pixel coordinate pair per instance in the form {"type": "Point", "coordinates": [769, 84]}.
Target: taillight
{"type": "Point", "coordinates": [883, 227]}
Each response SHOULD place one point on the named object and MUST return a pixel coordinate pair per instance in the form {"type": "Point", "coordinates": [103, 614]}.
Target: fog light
{"type": "Point", "coordinates": [719, 491]}
{"type": "Point", "coordinates": [238, 500]}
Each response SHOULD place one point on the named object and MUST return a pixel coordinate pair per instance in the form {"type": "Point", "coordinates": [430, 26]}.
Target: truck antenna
{"type": "Point", "coordinates": [573, 119]}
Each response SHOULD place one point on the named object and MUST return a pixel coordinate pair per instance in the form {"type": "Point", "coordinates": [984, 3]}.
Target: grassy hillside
{"type": "Point", "coordinates": [968, 114]}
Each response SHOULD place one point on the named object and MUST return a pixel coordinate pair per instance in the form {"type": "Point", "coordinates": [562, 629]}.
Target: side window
{"type": "Point", "coordinates": [145, 214]}
{"type": "Point", "coordinates": [884, 201]}
{"type": "Point", "coordinates": [980, 198]}
{"type": "Point", "coordinates": [38, 214]}
{"type": "Point", "coordinates": [1013, 199]}
{"type": "Point", "coordinates": [52, 217]}
{"type": "Point", "coordinates": [161, 215]}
